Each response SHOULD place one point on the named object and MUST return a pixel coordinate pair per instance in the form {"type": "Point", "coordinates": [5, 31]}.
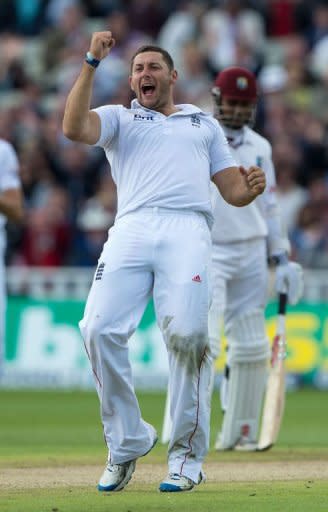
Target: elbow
{"type": "Point", "coordinates": [71, 133]}
{"type": "Point", "coordinates": [235, 200]}
{"type": "Point", "coordinates": [239, 202]}
{"type": "Point", "coordinates": [72, 130]}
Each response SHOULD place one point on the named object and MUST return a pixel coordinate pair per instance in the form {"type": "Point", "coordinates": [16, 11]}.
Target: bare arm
{"type": "Point", "coordinates": [79, 123]}
{"type": "Point", "coordinates": [11, 204]}
{"type": "Point", "coordinates": [238, 186]}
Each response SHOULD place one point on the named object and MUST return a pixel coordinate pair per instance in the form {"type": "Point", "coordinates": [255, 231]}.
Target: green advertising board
{"type": "Point", "coordinates": [43, 343]}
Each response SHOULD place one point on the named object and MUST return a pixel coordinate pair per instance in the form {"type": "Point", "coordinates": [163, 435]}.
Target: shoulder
{"type": "Point", "coordinates": [190, 109]}
{"type": "Point", "coordinates": [109, 109]}
{"type": "Point", "coordinates": [206, 117]}
{"type": "Point", "coordinates": [8, 156]}
{"type": "Point", "coordinates": [113, 115]}
{"type": "Point", "coordinates": [257, 139]}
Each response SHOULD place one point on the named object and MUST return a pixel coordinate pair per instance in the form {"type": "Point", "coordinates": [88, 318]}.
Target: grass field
{"type": "Point", "coordinates": [52, 453]}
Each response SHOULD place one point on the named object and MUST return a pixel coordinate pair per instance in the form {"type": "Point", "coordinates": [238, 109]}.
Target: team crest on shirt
{"type": "Point", "coordinates": [259, 161]}
{"type": "Point", "coordinates": [195, 121]}
{"type": "Point", "coordinates": [139, 117]}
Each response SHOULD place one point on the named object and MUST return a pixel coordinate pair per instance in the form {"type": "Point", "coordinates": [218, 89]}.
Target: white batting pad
{"type": "Point", "coordinates": [248, 361]}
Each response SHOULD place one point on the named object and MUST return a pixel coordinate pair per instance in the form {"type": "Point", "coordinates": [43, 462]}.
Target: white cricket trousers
{"type": "Point", "coordinates": [167, 253]}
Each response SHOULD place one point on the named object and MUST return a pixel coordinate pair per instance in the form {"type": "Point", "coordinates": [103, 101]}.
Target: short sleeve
{"type": "Point", "coordinates": [221, 157]}
{"type": "Point", "coordinates": [109, 120]}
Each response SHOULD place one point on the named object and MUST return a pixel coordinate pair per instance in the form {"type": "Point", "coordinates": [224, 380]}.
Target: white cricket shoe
{"type": "Point", "coordinates": [116, 476]}
{"type": "Point", "coordinates": [218, 444]}
{"type": "Point", "coordinates": [177, 483]}
{"type": "Point", "coordinates": [244, 444]}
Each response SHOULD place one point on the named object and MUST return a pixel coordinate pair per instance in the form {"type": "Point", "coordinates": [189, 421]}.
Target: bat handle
{"type": "Point", "coordinates": [283, 298]}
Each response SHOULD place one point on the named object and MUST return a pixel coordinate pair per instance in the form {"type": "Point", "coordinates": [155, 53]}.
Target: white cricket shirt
{"type": "Point", "coordinates": [9, 178]}
{"type": "Point", "coordinates": [164, 161]}
{"type": "Point", "coordinates": [233, 224]}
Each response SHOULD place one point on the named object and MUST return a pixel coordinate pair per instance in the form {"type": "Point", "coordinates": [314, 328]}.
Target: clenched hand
{"type": "Point", "coordinates": [254, 179]}
{"type": "Point", "coordinates": [101, 44]}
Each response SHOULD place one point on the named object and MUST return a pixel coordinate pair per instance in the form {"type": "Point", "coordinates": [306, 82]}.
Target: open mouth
{"type": "Point", "coordinates": [147, 90]}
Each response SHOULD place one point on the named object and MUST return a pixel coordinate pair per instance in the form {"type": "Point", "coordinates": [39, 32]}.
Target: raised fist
{"type": "Point", "coordinates": [101, 44]}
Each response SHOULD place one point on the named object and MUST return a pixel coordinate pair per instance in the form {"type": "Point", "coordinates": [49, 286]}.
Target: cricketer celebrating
{"type": "Point", "coordinates": [162, 158]}
{"type": "Point", "coordinates": [11, 208]}
{"type": "Point", "coordinates": [243, 240]}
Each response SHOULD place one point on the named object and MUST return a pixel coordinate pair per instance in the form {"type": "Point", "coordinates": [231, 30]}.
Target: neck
{"type": "Point", "coordinates": [232, 132]}
{"type": "Point", "coordinates": [167, 110]}
{"type": "Point", "coordinates": [235, 137]}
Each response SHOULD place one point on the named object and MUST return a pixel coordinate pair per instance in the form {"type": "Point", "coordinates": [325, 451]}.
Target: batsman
{"type": "Point", "coordinates": [244, 240]}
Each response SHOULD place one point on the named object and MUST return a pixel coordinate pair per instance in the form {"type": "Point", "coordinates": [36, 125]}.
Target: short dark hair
{"type": "Point", "coordinates": [152, 48]}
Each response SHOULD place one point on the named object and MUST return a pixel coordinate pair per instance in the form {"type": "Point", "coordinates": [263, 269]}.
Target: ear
{"type": "Point", "coordinates": [130, 82]}
{"type": "Point", "coordinates": [174, 76]}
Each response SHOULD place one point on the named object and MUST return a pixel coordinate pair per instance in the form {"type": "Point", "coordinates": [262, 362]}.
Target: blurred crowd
{"type": "Point", "coordinates": [70, 197]}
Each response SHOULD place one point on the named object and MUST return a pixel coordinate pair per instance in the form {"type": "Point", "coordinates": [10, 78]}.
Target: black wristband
{"type": "Point", "coordinates": [90, 59]}
{"type": "Point", "coordinates": [279, 259]}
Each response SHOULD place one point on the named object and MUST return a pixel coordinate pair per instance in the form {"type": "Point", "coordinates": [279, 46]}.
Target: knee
{"type": "Point", "coordinates": [247, 338]}
{"type": "Point", "coordinates": [187, 344]}
{"type": "Point", "coordinates": [91, 329]}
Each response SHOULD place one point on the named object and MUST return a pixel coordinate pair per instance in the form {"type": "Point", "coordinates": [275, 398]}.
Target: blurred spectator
{"type": "Point", "coordinates": [318, 28]}
{"type": "Point", "coordinates": [37, 178]}
{"type": "Point", "coordinates": [287, 158]}
{"type": "Point", "coordinates": [93, 223]}
{"type": "Point", "coordinates": [100, 8]}
{"type": "Point", "coordinates": [229, 28]}
{"type": "Point", "coordinates": [66, 36]}
{"type": "Point", "coordinates": [194, 79]}
{"type": "Point", "coordinates": [47, 236]}
{"type": "Point", "coordinates": [27, 18]}
{"type": "Point", "coordinates": [281, 18]}
{"type": "Point", "coordinates": [77, 172]}
{"type": "Point", "coordinates": [317, 37]}
{"type": "Point", "coordinates": [127, 38]}
{"type": "Point", "coordinates": [291, 196]}
{"type": "Point", "coordinates": [147, 16]}
{"type": "Point", "coordinates": [309, 239]}
{"type": "Point", "coordinates": [94, 219]}
{"type": "Point", "coordinates": [181, 27]}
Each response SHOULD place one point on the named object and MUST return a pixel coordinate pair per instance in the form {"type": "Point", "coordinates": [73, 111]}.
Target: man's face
{"type": "Point", "coordinates": [235, 113]}
{"type": "Point", "coordinates": [151, 80]}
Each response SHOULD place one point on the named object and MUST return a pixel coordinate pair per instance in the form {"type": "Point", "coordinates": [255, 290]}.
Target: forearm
{"type": "Point", "coordinates": [77, 110]}
{"type": "Point", "coordinates": [239, 195]}
{"type": "Point", "coordinates": [239, 187]}
{"type": "Point", "coordinates": [278, 242]}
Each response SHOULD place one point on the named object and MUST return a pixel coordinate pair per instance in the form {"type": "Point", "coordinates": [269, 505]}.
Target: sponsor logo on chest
{"type": "Point", "coordinates": [140, 117]}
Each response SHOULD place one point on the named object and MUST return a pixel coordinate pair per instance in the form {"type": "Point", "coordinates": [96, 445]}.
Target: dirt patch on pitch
{"type": "Point", "coordinates": [73, 476]}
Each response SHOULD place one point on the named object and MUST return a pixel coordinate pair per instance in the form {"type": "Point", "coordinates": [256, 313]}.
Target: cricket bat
{"type": "Point", "coordinates": [274, 401]}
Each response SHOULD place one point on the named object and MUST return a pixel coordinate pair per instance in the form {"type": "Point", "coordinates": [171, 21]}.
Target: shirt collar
{"type": "Point", "coordinates": [235, 137]}
{"type": "Point", "coordinates": [184, 108]}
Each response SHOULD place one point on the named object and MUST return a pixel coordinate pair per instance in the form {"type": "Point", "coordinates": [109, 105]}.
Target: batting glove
{"type": "Point", "coordinates": [290, 280]}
